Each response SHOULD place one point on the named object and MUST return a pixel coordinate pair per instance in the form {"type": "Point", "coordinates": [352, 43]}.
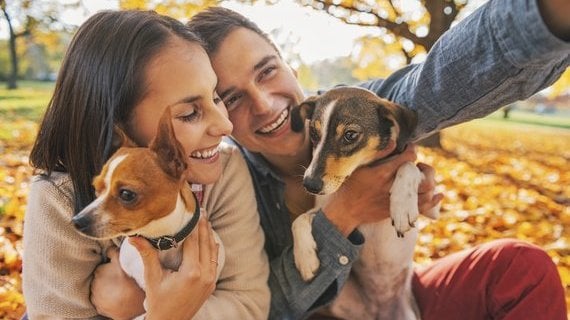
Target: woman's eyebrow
{"type": "Point", "coordinates": [188, 99]}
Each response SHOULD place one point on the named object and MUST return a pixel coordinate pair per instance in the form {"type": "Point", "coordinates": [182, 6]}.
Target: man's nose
{"type": "Point", "coordinates": [262, 102]}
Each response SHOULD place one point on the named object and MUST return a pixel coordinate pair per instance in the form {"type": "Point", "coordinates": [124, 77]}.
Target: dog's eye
{"type": "Point", "coordinates": [350, 136]}
{"type": "Point", "coordinates": [127, 196]}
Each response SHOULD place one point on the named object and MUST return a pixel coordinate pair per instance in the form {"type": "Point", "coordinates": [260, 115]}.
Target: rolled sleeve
{"type": "Point", "coordinates": [292, 297]}
{"type": "Point", "coordinates": [525, 29]}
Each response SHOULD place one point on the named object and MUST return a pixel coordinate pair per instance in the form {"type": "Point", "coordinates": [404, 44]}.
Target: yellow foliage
{"type": "Point", "coordinates": [376, 59]}
{"type": "Point", "coordinates": [178, 9]}
{"type": "Point", "coordinates": [498, 182]}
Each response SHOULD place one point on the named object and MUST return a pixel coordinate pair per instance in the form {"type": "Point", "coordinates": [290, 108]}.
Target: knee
{"type": "Point", "coordinates": [522, 255]}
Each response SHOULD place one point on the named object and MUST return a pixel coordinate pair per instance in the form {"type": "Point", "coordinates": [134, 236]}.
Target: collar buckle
{"type": "Point", "coordinates": [166, 242]}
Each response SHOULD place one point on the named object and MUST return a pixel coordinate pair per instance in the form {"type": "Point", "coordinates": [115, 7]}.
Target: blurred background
{"type": "Point", "coordinates": [503, 176]}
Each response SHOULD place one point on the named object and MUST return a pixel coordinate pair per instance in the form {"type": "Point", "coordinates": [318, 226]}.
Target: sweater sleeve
{"type": "Point", "coordinates": [241, 291]}
{"type": "Point", "coordinates": [58, 262]}
{"type": "Point", "coordinates": [501, 53]}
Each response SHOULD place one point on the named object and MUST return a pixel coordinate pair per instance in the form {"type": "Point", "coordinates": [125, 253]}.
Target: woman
{"type": "Point", "coordinates": [124, 68]}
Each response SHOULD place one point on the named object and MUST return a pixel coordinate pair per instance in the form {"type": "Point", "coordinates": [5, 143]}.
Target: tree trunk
{"type": "Point", "coordinates": [13, 77]}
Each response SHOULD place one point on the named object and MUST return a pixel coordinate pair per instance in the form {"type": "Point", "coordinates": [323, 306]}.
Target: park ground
{"type": "Point", "coordinates": [501, 179]}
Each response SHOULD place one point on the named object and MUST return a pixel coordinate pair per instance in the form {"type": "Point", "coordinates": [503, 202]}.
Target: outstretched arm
{"type": "Point", "coordinates": [501, 53]}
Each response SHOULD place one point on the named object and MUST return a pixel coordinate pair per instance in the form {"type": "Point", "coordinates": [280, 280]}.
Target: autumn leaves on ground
{"type": "Point", "coordinates": [500, 179]}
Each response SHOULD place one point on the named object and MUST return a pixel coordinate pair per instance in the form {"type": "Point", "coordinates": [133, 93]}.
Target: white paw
{"type": "Point", "coordinates": [404, 198]}
{"type": "Point", "coordinates": [305, 247]}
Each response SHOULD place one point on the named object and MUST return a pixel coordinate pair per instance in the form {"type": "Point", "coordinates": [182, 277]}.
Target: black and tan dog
{"type": "Point", "coordinates": [351, 127]}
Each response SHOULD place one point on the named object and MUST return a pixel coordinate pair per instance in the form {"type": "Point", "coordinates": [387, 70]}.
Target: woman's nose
{"type": "Point", "coordinates": [220, 123]}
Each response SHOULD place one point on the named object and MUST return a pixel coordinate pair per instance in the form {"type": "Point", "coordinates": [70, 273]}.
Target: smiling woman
{"type": "Point", "coordinates": [123, 69]}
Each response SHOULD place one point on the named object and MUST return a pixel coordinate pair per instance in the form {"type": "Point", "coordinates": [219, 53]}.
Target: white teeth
{"type": "Point", "coordinates": [205, 154]}
{"type": "Point", "coordinates": [277, 124]}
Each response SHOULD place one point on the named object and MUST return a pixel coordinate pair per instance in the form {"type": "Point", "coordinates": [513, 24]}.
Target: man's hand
{"type": "Point", "coordinates": [556, 15]}
{"type": "Point", "coordinates": [365, 196]}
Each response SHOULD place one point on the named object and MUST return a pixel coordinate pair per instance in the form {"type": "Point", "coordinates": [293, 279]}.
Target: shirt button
{"type": "Point", "coordinates": [343, 260]}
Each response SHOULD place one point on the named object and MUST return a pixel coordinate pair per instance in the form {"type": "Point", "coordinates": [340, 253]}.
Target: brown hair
{"type": "Point", "coordinates": [100, 82]}
{"type": "Point", "coordinates": [215, 23]}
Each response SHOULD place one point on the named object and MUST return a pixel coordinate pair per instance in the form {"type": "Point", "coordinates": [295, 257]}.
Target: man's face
{"type": "Point", "coordinates": [258, 89]}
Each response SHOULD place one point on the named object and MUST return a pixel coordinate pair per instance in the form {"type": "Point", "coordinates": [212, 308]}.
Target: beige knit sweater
{"type": "Point", "coordinates": [58, 262]}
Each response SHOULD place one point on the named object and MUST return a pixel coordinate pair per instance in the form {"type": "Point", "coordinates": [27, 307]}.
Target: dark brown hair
{"type": "Point", "coordinates": [100, 82]}
{"type": "Point", "coordinates": [215, 23]}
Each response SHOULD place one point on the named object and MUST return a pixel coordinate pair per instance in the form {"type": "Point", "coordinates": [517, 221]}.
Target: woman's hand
{"type": "Point", "coordinates": [113, 293]}
{"type": "Point", "coordinates": [180, 294]}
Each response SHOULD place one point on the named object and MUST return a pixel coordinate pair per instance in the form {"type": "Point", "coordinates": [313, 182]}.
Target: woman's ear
{"type": "Point", "coordinates": [171, 155]}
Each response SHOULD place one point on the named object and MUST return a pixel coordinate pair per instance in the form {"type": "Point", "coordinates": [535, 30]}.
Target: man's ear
{"type": "Point", "coordinates": [303, 112]}
{"type": "Point", "coordinates": [171, 155]}
{"type": "Point", "coordinates": [120, 139]}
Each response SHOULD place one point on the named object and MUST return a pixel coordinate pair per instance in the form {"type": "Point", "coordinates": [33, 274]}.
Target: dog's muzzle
{"type": "Point", "coordinates": [313, 185]}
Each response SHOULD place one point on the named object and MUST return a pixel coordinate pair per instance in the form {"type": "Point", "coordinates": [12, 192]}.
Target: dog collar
{"type": "Point", "coordinates": [169, 242]}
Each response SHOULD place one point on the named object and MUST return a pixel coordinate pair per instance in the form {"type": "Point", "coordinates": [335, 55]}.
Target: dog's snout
{"type": "Point", "coordinates": [81, 222]}
{"type": "Point", "coordinates": [313, 185]}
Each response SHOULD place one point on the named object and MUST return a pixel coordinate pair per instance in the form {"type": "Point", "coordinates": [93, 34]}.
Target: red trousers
{"type": "Point", "coordinates": [503, 279]}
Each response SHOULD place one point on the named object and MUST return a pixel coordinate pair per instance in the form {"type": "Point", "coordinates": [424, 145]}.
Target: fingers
{"type": "Point", "coordinates": [152, 268]}
{"type": "Point", "coordinates": [191, 249]}
{"type": "Point", "coordinates": [428, 183]}
{"type": "Point", "coordinates": [204, 237]}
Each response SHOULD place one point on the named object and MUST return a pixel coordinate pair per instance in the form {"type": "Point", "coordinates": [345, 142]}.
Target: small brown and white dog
{"type": "Point", "coordinates": [352, 127]}
{"type": "Point", "coordinates": [144, 191]}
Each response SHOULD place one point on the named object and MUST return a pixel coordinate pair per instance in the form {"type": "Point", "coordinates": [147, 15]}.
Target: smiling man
{"type": "Point", "coordinates": [505, 51]}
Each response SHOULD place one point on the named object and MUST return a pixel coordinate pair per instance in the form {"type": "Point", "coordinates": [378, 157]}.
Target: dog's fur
{"type": "Point", "coordinates": [142, 191]}
{"type": "Point", "coordinates": [351, 127]}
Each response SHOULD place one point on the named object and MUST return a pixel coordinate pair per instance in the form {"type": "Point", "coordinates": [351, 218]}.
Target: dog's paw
{"type": "Point", "coordinates": [305, 247]}
{"type": "Point", "coordinates": [404, 198]}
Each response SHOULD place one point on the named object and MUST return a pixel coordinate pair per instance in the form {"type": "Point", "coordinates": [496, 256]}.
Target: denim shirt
{"type": "Point", "coordinates": [501, 53]}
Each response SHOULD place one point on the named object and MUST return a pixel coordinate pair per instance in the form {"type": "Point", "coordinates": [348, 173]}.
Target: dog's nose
{"type": "Point", "coordinates": [81, 222]}
{"type": "Point", "coordinates": [313, 185]}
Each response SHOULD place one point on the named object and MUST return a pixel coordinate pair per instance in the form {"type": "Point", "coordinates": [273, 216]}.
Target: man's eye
{"type": "Point", "coordinates": [267, 72]}
{"type": "Point", "coordinates": [232, 102]}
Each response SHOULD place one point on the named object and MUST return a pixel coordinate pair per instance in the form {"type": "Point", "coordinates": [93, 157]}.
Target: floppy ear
{"type": "Point", "coordinates": [302, 112]}
{"type": "Point", "coordinates": [120, 139]}
{"type": "Point", "coordinates": [171, 156]}
{"type": "Point", "coordinates": [407, 120]}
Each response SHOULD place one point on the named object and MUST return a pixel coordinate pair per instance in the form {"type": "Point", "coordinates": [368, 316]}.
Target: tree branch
{"type": "Point", "coordinates": [398, 29]}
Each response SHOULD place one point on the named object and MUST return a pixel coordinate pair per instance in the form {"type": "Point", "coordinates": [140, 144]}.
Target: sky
{"type": "Point", "coordinates": [318, 35]}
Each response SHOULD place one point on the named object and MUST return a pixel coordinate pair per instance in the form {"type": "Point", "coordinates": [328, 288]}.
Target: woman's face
{"type": "Point", "coordinates": [180, 76]}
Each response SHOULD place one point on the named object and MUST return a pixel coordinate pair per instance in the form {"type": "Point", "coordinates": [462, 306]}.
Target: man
{"type": "Point", "coordinates": [505, 51]}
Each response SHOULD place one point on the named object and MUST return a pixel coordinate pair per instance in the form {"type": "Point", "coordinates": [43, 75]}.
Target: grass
{"type": "Point", "coordinates": [531, 118]}
{"type": "Point", "coordinates": [28, 102]}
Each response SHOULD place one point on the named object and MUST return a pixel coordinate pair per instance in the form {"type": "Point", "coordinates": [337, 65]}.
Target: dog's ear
{"type": "Point", "coordinates": [120, 139]}
{"type": "Point", "coordinates": [302, 112]}
{"type": "Point", "coordinates": [405, 118]}
{"type": "Point", "coordinates": [171, 156]}
{"type": "Point", "coordinates": [407, 121]}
